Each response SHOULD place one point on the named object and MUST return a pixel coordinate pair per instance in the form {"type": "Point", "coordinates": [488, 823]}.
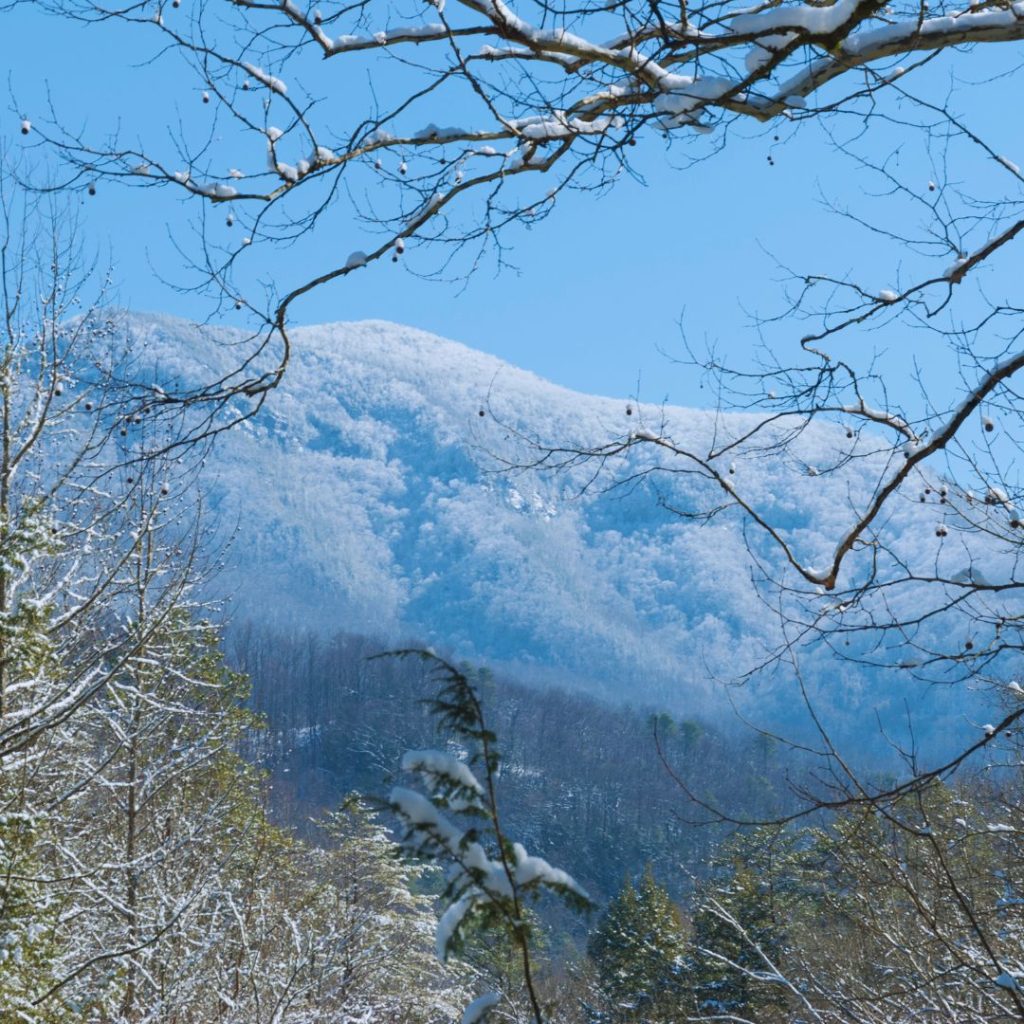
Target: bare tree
{"type": "Point", "coordinates": [335, 120]}
{"type": "Point", "coordinates": [56, 395]}
{"type": "Point", "coordinates": [554, 97]}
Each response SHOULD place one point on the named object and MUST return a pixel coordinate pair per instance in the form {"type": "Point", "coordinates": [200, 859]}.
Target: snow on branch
{"type": "Point", "coordinates": [546, 101]}
{"type": "Point", "coordinates": [488, 877]}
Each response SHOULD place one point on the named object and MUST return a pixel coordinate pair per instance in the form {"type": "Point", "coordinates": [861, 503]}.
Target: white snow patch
{"type": "Point", "coordinates": [442, 766]}
{"type": "Point", "coordinates": [450, 921]}
{"type": "Point", "coordinates": [481, 1006]}
{"type": "Point", "coordinates": [534, 870]}
{"type": "Point", "coordinates": [272, 83]}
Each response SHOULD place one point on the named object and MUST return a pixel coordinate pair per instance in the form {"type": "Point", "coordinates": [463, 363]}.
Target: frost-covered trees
{"type": "Point", "coordinates": [54, 356]}
{"type": "Point", "coordinates": [28, 913]}
{"type": "Point", "coordinates": [141, 880]}
{"type": "Point", "coordinates": [539, 99]}
{"type": "Point", "coordinates": [321, 934]}
{"type": "Point", "coordinates": [56, 351]}
{"type": "Point", "coordinates": [149, 831]}
{"type": "Point", "coordinates": [386, 924]}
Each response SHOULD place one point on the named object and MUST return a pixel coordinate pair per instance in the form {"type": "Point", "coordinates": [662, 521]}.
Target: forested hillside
{"type": "Point", "coordinates": [840, 914]}
{"type": "Point", "coordinates": [582, 780]}
{"type": "Point", "coordinates": [150, 872]}
{"type": "Point", "coordinates": [372, 496]}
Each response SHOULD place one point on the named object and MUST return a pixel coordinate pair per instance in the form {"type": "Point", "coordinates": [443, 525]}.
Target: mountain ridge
{"type": "Point", "coordinates": [371, 495]}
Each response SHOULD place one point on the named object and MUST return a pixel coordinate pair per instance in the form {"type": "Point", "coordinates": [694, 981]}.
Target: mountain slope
{"type": "Point", "coordinates": [371, 495]}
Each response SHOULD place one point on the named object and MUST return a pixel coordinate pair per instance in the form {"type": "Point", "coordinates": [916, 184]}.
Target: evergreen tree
{"type": "Point", "coordinates": [28, 916]}
{"type": "Point", "coordinates": [739, 928]}
{"type": "Point", "coordinates": [491, 880]}
{"type": "Point", "coordinates": [639, 950]}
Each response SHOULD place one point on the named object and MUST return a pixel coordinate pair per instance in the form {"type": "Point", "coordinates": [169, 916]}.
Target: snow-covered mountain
{"type": "Point", "coordinates": [373, 494]}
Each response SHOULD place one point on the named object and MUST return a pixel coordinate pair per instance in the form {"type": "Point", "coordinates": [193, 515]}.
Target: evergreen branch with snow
{"type": "Point", "coordinates": [490, 878]}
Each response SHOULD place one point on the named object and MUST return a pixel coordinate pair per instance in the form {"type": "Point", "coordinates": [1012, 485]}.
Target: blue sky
{"type": "Point", "coordinates": [602, 284]}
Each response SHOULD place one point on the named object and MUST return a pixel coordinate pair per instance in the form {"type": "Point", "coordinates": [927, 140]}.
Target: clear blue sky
{"type": "Point", "coordinates": [602, 283]}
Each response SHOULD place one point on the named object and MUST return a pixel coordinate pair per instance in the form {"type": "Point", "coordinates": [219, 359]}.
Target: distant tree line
{"type": "Point", "coordinates": [582, 781]}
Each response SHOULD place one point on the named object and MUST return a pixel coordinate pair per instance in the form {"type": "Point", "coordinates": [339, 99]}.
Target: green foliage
{"type": "Point", "coordinates": [639, 950]}
{"type": "Point", "coordinates": [739, 927]}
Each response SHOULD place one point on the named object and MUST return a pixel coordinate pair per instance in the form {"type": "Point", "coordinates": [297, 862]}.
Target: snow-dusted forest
{"type": "Point", "coordinates": [352, 675]}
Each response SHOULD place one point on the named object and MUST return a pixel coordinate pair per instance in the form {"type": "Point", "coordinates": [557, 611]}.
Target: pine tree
{"type": "Point", "coordinates": [491, 880]}
{"type": "Point", "coordinates": [639, 950]}
{"type": "Point", "coordinates": [28, 917]}
{"type": "Point", "coordinates": [739, 928]}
